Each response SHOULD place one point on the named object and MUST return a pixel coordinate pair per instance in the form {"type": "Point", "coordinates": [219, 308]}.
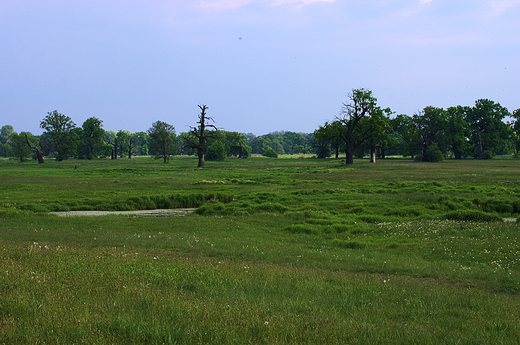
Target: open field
{"type": "Point", "coordinates": [278, 251]}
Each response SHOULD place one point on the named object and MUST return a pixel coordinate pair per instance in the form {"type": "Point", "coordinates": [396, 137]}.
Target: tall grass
{"type": "Point", "coordinates": [283, 251]}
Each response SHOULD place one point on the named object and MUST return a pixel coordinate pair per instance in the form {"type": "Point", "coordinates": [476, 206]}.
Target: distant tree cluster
{"type": "Point", "coordinates": [63, 139]}
{"type": "Point", "coordinates": [282, 142]}
{"type": "Point", "coordinates": [362, 128]}
{"type": "Point", "coordinates": [430, 135]}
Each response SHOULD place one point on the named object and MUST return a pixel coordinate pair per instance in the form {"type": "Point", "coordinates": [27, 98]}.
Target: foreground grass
{"type": "Point", "coordinates": [173, 280]}
{"type": "Point", "coordinates": [307, 252]}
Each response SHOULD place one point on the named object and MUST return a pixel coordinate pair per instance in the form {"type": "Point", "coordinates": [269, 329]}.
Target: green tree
{"type": "Point", "coordinates": [141, 143]}
{"type": "Point", "coordinates": [430, 126]}
{"type": "Point", "coordinates": [19, 148]}
{"type": "Point", "coordinates": [92, 138]}
{"type": "Point", "coordinates": [60, 127]}
{"type": "Point", "coordinates": [458, 131]}
{"type": "Point", "coordinates": [162, 140]}
{"type": "Point", "coordinates": [130, 144]}
{"type": "Point", "coordinates": [377, 129]}
{"type": "Point", "coordinates": [515, 125]}
{"type": "Point", "coordinates": [111, 144]}
{"type": "Point", "coordinates": [185, 140]}
{"type": "Point", "coordinates": [405, 134]}
{"type": "Point", "coordinates": [276, 144]}
{"type": "Point", "coordinates": [489, 132]}
{"type": "Point", "coordinates": [328, 139]}
{"type": "Point", "coordinates": [294, 143]}
{"type": "Point", "coordinates": [273, 140]}
{"type": "Point", "coordinates": [235, 144]}
{"type": "Point", "coordinates": [361, 104]}
{"type": "Point", "coordinates": [5, 135]}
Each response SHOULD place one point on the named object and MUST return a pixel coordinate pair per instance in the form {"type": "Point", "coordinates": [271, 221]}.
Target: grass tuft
{"type": "Point", "coordinates": [472, 216]}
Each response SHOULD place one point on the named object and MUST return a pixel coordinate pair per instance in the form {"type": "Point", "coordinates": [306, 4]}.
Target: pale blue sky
{"type": "Point", "coordinates": [260, 65]}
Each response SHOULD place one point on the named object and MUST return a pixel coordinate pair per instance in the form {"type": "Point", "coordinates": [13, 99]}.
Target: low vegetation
{"type": "Point", "coordinates": [279, 251]}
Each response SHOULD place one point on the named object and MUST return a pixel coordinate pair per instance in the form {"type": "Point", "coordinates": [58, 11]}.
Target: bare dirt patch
{"type": "Point", "coordinates": [148, 213]}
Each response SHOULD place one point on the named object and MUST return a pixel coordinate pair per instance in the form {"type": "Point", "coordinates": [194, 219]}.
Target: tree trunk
{"type": "Point", "coordinates": [36, 150]}
{"type": "Point", "coordinates": [424, 151]}
{"type": "Point", "coordinates": [39, 156]}
{"type": "Point", "coordinates": [457, 154]}
{"type": "Point", "coordinates": [115, 149]}
{"type": "Point", "coordinates": [372, 151]}
{"type": "Point", "coordinates": [480, 145]}
{"type": "Point", "coordinates": [372, 155]}
{"type": "Point", "coordinates": [349, 157]}
{"type": "Point", "coordinates": [201, 160]}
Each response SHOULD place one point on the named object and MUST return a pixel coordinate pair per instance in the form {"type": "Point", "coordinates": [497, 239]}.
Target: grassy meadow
{"type": "Point", "coordinates": [279, 251]}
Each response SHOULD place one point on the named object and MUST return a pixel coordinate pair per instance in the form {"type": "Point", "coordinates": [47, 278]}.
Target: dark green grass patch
{"type": "Point", "coordinates": [472, 216]}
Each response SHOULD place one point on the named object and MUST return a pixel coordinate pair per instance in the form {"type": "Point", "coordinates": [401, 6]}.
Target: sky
{"type": "Point", "coordinates": [259, 65]}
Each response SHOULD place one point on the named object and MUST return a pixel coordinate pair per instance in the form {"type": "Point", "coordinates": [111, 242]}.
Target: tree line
{"type": "Point", "coordinates": [430, 135]}
{"type": "Point", "coordinates": [362, 128]}
{"type": "Point", "coordinates": [63, 139]}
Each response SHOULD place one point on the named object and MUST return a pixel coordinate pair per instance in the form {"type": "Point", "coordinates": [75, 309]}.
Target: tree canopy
{"type": "Point", "coordinates": [162, 140]}
{"type": "Point", "coordinates": [63, 139]}
{"type": "Point", "coordinates": [362, 128]}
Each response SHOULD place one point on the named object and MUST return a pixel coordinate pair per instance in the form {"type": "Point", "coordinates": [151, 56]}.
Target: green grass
{"type": "Point", "coordinates": [280, 251]}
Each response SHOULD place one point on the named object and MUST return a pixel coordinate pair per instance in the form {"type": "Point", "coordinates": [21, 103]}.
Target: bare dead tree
{"type": "Point", "coordinates": [202, 133]}
{"type": "Point", "coordinates": [36, 150]}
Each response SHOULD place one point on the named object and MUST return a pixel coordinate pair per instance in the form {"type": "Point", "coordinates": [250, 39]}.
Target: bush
{"type": "Point", "coordinates": [434, 154]}
{"type": "Point", "coordinates": [216, 151]}
{"type": "Point", "coordinates": [323, 151]}
{"type": "Point", "coordinates": [269, 152]}
{"type": "Point", "coordinates": [487, 155]}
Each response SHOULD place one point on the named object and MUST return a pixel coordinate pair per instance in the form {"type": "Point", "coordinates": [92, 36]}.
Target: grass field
{"type": "Point", "coordinates": [280, 251]}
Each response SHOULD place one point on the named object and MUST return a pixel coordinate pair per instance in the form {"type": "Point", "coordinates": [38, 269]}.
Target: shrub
{"type": "Point", "coordinates": [434, 154]}
{"type": "Point", "coordinates": [323, 151]}
{"type": "Point", "coordinates": [269, 152]}
{"type": "Point", "coordinates": [216, 151]}
{"type": "Point", "coordinates": [487, 155]}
